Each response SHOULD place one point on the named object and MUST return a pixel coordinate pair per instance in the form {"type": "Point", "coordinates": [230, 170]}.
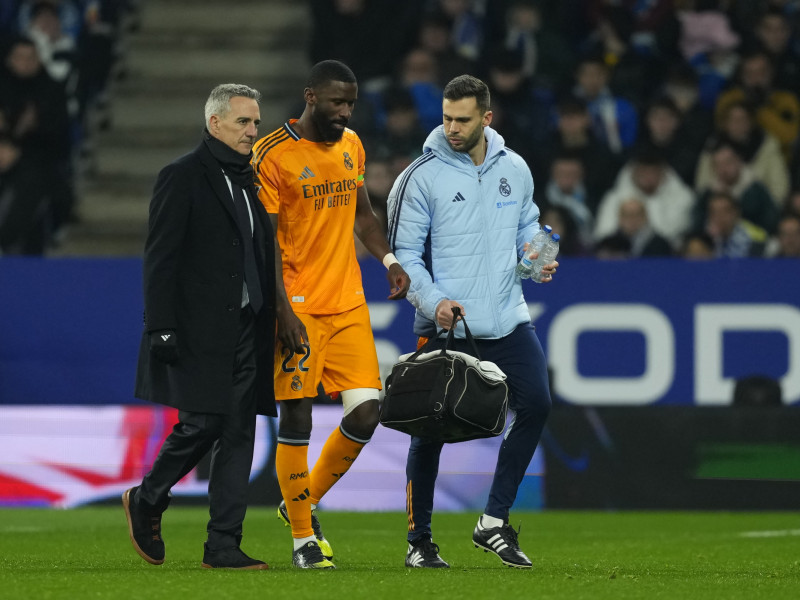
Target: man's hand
{"type": "Point", "coordinates": [533, 255]}
{"type": "Point", "coordinates": [444, 313]}
{"type": "Point", "coordinates": [291, 331]}
{"type": "Point", "coordinates": [548, 271]}
{"type": "Point", "coordinates": [164, 345]}
{"type": "Point", "coordinates": [399, 282]}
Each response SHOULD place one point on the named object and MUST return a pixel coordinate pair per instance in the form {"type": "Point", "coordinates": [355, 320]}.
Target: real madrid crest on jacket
{"type": "Point", "coordinates": [484, 204]}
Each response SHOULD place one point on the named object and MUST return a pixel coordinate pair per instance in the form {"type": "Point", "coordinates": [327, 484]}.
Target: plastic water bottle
{"type": "Point", "coordinates": [523, 269]}
{"type": "Point", "coordinates": [547, 255]}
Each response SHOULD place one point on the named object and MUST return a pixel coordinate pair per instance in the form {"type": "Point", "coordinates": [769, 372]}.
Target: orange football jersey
{"type": "Point", "coordinates": [312, 187]}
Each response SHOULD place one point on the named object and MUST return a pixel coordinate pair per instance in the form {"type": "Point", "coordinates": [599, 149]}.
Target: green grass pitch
{"type": "Point", "coordinates": [85, 553]}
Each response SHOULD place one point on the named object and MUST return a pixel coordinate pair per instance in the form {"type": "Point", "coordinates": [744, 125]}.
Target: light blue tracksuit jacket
{"type": "Point", "coordinates": [458, 230]}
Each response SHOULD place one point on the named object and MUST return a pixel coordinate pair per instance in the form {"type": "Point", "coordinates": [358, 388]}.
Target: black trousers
{"type": "Point", "coordinates": [230, 438]}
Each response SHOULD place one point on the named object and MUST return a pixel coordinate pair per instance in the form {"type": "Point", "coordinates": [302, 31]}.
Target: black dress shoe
{"type": "Point", "coordinates": [230, 558]}
{"type": "Point", "coordinates": [144, 528]}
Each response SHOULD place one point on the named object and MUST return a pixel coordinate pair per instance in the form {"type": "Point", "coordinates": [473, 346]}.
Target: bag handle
{"type": "Point", "coordinates": [450, 341]}
{"type": "Point", "coordinates": [467, 332]}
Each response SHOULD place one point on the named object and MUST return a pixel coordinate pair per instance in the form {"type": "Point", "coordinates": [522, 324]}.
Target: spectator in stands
{"type": "Point", "coordinates": [49, 79]}
{"type": "Point", "coordinates": [749, 12]}
{"type": "Point", "coordinates": [574, 134]}
{"type": "Point", "coordinates": [34, 104]}
{"type": "Point", "coordinates": [788, 238]}
{"type": "Point", "coordinates": [419, 74]}
{"type": "Point", "coordinates": [668, 200]}
{"type": "Point", "coordinates": [69, 13]}
{"type": "Point", "coordinates": [662, 123]}
{"type": "Point", "coordinates": [521, 111]}
{"type": "Point", "coordinates": [777, 111]}
{"type": "Point", "coordinates": [566, 190]}
{"type": "Point", "coordinates": [399, 134]}
{"type": "Point", "coordinates": [681, 86]}
{"type": "Point", "coordinates": [99, 49]}
{"type": "Point", "coordinates": [760, 151]}
{"type": "Point", "coordinates": [25, 213]}
{"type": "Point", "coordinates": [697, 245]}
{"type": "Point", "coordinates": [371, 37]}
{"type": "Point", "coordinates": [653, 30]}
{"type": "Point", "coordinates": [522, 21]}
{"type": "Point", "coordinates": [57, 50]}
{"type": "Point", "coordinates": [614, 119]}
{"type": "Point", "coordinates": [466, 26]}
{"type": "Point", "coordinates": [36, 110]}
{"type": "Point", "coordinates": [734, 237]}
{"type": "Point", "coordinates": [773, 35]}
{"type": "Point", "coordinates": [543, 52]}
{"type": "Point", "coordinates": [635, 226]}
{"type": "Point", "coordinates": [730, 175]}
{"type": "Point", "coordinates": [633, 75]}
{"type": "Point", "coordinates": [569, 17]}
{"type": "Point", "coordinates": [434, 36]}
{"type": "Point", "coordinates": [708, 44]}
{"type": "Point", "coordinates": [635, 237]}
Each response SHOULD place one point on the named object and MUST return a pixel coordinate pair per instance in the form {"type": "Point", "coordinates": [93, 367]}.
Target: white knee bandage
{"type": "Point", "coordinates": [355, 397]}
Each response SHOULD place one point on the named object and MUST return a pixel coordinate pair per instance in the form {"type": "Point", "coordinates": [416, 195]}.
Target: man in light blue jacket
{"type": "Point", "coordinates": [460, 217]}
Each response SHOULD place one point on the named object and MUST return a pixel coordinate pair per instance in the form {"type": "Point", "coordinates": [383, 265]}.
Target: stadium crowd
{"type": "Point", "coordinates": [652, 127]}
{"type": "Point", "coordinates": [56, 58]}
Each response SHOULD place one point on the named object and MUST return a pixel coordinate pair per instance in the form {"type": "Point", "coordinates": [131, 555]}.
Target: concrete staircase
{"type": "Point", "coordinates": [180, 51]}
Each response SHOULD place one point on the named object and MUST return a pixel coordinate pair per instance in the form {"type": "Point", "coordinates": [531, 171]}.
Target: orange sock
{"type": "Point", "coordinates": [291, 466]}
{"type": "Point", "coordinates": [338, 454]}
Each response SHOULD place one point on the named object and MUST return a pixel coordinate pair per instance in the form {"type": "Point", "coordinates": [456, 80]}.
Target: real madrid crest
{"type": "Point", "coordinates": [348, 162]}
{"type": "Point", "coordinates": [297, 385]}
{"type": "Point", "coordinates": [505, 189]}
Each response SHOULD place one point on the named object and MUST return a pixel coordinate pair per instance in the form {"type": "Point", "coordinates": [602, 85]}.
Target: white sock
{"type": "Point", "coordinates": [300, 542]}
{"type": "Point", "coordinates": [489, 522]}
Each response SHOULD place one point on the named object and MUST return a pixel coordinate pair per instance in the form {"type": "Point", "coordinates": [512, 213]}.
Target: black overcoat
{"type": "Point", "coordinates": [193, 269]}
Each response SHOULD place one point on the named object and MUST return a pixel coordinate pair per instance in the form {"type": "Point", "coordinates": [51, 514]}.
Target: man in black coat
{"type": "Point", "coordinates": [207, 348]}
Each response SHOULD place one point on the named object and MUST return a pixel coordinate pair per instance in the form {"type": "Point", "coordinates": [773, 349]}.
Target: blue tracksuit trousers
{"type": "Point", "coordinates": [522, 359]}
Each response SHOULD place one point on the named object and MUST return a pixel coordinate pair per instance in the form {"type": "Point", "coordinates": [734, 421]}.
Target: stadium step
{"type": "Point", "coordinates": [176, 54]}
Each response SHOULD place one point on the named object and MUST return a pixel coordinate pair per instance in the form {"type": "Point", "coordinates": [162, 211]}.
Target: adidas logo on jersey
{"type": "Point", "coordinates": [306, 174]}
{"type": "Point", "coordinates": [458, 198]}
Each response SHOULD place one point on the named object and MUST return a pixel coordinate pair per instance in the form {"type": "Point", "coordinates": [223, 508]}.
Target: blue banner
{"type": "Point", "coordinates": [668, 331]}
{"type": "Point", "coordinates": [69, 330]}
{"type": "Point", "coordinates": [632, 333]}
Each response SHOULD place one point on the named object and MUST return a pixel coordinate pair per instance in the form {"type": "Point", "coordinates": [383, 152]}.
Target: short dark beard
{"type": "Point", "coordinates": [325, 128]}
{"type": "Point", "coordinates": [467, 146]}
